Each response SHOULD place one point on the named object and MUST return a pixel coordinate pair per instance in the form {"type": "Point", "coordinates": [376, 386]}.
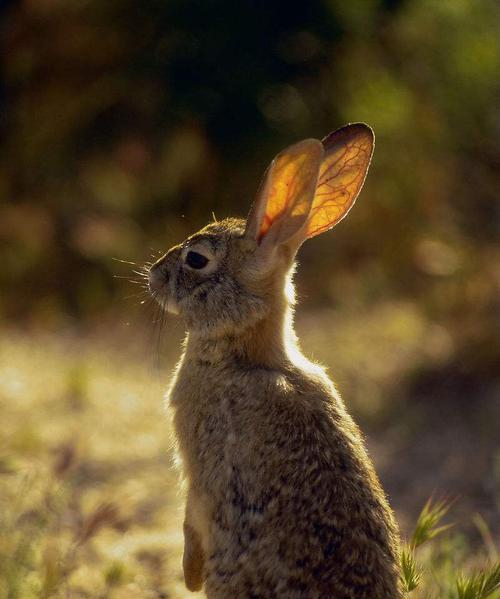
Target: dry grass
{"type": "Point", "coordinates": [89, 498]}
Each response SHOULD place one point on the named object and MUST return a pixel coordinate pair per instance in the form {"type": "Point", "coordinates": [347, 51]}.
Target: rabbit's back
{"type": "Point", "coordinates": [292, 505]}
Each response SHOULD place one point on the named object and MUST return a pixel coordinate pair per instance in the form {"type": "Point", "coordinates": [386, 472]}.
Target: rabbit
{"type": "Point", "coordinates": [282, 500]}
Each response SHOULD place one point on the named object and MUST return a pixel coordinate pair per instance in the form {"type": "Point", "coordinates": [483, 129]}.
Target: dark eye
{"type": "Point", "coordinates": [195, 260]}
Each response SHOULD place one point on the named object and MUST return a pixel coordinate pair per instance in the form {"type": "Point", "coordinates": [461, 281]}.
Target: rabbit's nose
{"type": "Point", "coordinates": [158, 279]}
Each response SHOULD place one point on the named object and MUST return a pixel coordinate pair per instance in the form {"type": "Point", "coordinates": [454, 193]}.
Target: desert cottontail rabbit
{"type": "Point", "coordinates": [282, 498]}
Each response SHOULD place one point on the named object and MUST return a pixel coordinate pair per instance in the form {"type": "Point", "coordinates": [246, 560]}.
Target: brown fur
{"type": "Point", "coordinates": [282, 498]}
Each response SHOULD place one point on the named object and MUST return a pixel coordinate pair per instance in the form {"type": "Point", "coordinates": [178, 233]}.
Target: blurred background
{"type": "Point", "coordinates": [124, 126]}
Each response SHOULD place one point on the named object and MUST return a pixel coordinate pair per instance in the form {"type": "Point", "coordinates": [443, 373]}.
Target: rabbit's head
{"type": "Point", "coordinates": [232, 273]}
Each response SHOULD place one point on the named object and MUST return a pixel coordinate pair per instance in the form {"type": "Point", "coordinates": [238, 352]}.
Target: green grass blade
{"type": "Point", "coordinates": [410, 572]}
{"type": "Point", "coordinates": [427, 526]}
{"type": "Point", "coordinates": [480, 584]}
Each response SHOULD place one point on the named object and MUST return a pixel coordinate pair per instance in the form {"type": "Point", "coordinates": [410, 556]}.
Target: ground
{"type": "Point", "coordinates": [90, 505]}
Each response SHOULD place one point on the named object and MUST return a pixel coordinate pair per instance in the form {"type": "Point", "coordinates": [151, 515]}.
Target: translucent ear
{"type": "Point", "coordinates": [348, 152]}
{"type": "Point", "coordinates": [284, 200]}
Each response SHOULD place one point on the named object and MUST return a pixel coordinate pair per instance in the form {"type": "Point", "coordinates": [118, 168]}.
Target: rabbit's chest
{"type": "Point", "coordinates": [205, 421]}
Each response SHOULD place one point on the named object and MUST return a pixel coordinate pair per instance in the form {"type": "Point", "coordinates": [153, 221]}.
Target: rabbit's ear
{"type": "Point", "coordinates": [284, 200]}
{"type": "Point", "coordinates": [348, 152]}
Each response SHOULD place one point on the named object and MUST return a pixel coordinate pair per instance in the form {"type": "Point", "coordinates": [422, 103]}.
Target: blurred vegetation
{"type": "Point", "coordinates": [124, 125]}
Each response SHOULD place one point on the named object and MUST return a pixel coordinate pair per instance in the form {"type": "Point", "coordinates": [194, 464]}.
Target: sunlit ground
{"type": "Point", "coordinates": [90, 506]}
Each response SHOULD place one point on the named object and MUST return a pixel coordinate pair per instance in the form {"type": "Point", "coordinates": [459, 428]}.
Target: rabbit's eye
{"type": "Point", "coordinates": [195, 260]}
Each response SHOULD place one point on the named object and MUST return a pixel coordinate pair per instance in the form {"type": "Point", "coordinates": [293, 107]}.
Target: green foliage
{"type": "Point", "coordinates": [410, 573]}
{"type": "Point", "coordinates": [151, 118]}
{"type": "Point", "coordinates": [479, 585]}
{"type": "Point", "coordinates": [476, 586]}
{"type": "Point", "coordinates": [427, 526]}
{"type": "Point", "coordinates": [426, 529]}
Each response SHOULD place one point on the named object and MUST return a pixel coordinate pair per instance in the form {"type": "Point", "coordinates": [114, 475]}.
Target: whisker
{"type": "Point", "coordinates": [134, 281]}
{"type": "Point", "coordinates": [159, 327]}
{"type": "Point", "coordinates": [159, 338]}
{"type": "Point", "coordinates": [144, 294]}
{"type": "Point", "coordinates": [124, 261]}
{"type": "Point", "coordinates": [127, 278]}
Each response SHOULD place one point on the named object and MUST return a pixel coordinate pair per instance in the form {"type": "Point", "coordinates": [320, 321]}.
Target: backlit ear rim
{"type": "Point", "coordinates": [346, 133]}
{"type": "Point", "coordinates": [258, 208]}
{"type": "Point", "coordinates": [348, 153]}
{"type": "Point", "coordinates": [285, 196]}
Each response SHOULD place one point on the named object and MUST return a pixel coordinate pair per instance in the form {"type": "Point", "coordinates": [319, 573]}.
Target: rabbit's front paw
{"type": "Point", "coordinates": [193, 559]}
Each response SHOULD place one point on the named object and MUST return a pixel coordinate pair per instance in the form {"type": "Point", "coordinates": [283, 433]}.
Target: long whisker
{"type": "Point", "coordinates": [126, 278]}
{"type": "Point", "coordinates": [159, 323]}
{"type": "Point", "coordinates": [145, 296]}
{"type": "Point", "coordinates": [133, 281]}
{"type": "Point", "coordinates": [161, 330]}
{"type": "Point", "coordinates": [124, 261]}
{"type": "Point", "coordinates": [140, 278]}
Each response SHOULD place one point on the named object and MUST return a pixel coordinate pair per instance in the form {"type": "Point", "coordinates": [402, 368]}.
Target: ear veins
{"type": "Point", "coordinates": [291, 189]}
{"type": "Point", "coordinates": [285, 197]}
{"type": "Point", "coordinates": [343, 171]}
